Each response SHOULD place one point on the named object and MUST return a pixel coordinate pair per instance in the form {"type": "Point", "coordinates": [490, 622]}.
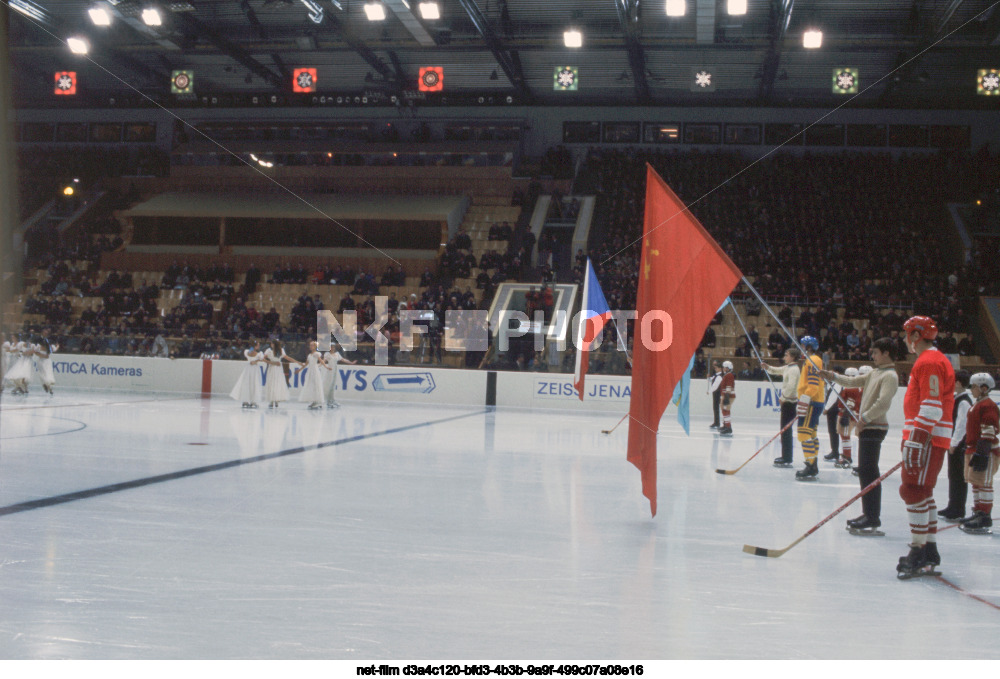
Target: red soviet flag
{"type": "Point", "coordinates": [684, 276]}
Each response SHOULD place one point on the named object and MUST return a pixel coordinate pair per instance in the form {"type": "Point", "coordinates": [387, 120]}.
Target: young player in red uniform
{"type": "Point", "coordinates": [982, 454]}
{"type": "Point", "coordinates": [851, 397]}
{"type": "Point", "coordinates": [728, 389]}
{"type": "Point", "coordinates": [927, 407]}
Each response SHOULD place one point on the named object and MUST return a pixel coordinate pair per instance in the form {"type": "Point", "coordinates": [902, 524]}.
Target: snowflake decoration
{"type": "Point", "coordinates": [566, 78]}
{"type": "Point", "coordinates": [65, 82]}
{"type": "Point", "coordinates": [703, 79]}
{"type": "Point", "coordinates": [845, 80]}
{"type": "Point", "coordinates": [305, 80]}
{"type": "Point", "coordinates": [991, 82]}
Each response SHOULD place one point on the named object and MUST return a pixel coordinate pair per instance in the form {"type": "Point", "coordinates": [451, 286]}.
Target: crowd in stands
{"type": "Point", "coordinates": [859, 231]}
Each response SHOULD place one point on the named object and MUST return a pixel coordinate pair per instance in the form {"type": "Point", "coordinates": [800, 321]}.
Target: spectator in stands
{"type": "Point", "coordinates": [346, 303]}
{"type": "Point", "coordinates": [708, 340]}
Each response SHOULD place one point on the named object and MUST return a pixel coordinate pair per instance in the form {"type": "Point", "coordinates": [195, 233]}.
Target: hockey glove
{"type": "Point", "coordinates": [981, 458]}
{"type": "Point", "coordinates": [913, 448]}
{"type": "Point", "coordinates": [802, 409]}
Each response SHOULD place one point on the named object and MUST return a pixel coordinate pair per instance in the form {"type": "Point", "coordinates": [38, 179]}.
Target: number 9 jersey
{"type": "Point", "coordinates": [930, 398]}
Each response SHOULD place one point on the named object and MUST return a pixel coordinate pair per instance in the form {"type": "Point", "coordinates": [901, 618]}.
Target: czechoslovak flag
{"type": "Point", "coordinates": [594, 314]}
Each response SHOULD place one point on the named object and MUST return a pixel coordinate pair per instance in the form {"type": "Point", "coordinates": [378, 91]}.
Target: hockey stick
{"type": "Point", "coordinates": [730, 472]}
{"type": "Point", "coordinates": [774, 553]}
{"type": "Point", "coordinates": [750, 342]}
{"type": "Point", "coordinates": [608, 431]}
{"type": "Point", "coordinates": [791, 336]}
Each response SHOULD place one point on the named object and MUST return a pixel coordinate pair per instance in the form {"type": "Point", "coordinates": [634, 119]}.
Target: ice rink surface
{"type": "Point", "coordinates": [136, 527]}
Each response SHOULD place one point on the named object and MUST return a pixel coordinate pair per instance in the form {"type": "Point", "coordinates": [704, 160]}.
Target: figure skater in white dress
{"type": "Point", "coordinates": [248, 388]}
{"type": "Point", "coordinates": [43, 350]}
{"type": "Point", "coordinates": [332, 358]}
{"type": "Point", "coordinates": [312, 388]}
{"type": "Point", "coordinates": [275, 389]}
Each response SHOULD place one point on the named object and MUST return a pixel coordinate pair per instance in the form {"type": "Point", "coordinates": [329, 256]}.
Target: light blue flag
{"type": "Point", "coordinates": [682, 392]}
{"type": "Point", "coordinates": [682, 398]}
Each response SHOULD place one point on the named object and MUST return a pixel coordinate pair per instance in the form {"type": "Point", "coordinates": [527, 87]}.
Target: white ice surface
{"type": "Point", "coordinates": [466, 534]}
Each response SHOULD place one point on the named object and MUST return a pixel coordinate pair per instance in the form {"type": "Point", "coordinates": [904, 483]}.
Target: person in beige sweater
{"type": "Point", "coordinates": [789, 373]}
{"type": "Point", "coordinates": [879, 387]}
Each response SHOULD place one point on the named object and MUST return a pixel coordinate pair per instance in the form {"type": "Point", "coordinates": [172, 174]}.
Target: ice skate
{"type": "Point", "coordinates": [931, 554]}
{"type": "Point", "coordinates": [332, 404]}
{"type": "Point", "coordinates": [315, 406]}
{"type": "Point", "coordinates": [808, 473]}
{"type": "Point", "coordinates": [980, 523]}
{"type": "Point", "coordinates": [916, 564]}
{"type": "Point", "coordinates": [726, 431]}
{"type": "Point", "coordinates": [865, 527]}
{"type": "Point", "coordinates": [713, 426]}
{"type": "Point", "coordinates": [855, 521]}
{"type": "Point", "coordinates": [843, 463]}
{"type": "Point", "coordinates": [782, 462]}
{"type": "Point", "coordinates": [832, 456]}
{"type": "Point", "coordinates": [951, 515]}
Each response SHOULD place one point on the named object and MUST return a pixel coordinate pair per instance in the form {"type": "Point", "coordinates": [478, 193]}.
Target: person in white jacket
{"type": "Point", "coordinates": [958, 489]}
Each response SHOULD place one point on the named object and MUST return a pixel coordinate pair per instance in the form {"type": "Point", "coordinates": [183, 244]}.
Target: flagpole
{"type": "Point", "coordinates": [791, 336]}
{"type": "Point", "coordinates": [622, 341]}
{"type": "Point", "coordinates": [752, 346]}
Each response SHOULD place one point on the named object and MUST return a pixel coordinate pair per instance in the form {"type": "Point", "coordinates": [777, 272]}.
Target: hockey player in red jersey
{"type": "Point", "coordinates": [728, 389]}
{"type": "Point", "coordinates": [851, 397]}
{"type": "Point", "coordinates": [982, 454]}
{"type": "Point", "coordinates": [927, 407]}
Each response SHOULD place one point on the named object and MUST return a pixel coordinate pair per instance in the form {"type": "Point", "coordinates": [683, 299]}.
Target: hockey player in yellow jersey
{"type": "Point", "coordinates": [812, 396]}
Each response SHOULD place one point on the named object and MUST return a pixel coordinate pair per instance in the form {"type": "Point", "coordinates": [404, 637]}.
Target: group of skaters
{"type": "Point", "coordinates": [22, 358]}
{"type": "Point", "coordinates": [264, 379]}
{"type": "Point", "coordinates": [949, 416]}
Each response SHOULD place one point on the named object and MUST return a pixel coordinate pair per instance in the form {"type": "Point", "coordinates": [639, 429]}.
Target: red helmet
{"type": "Point", "coordinates": [922, 324]}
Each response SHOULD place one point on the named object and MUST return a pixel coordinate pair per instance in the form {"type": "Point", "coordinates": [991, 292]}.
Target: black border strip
{"type": "Point", "coordinates": [195, 471]}
{"type": "Point", "coordinates": [491, 388]}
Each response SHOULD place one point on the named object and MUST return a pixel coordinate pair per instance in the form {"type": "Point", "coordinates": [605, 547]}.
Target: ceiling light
{"type": "Point", "coordinates": [151, 17]}
{"type": "Point", "coordinates": [100, 16]}
{"type": "Point", "coordinates": [736, 7]}
{"type": "Point", "coordinates": [812, 39]}
{"type": "Point", "coordinates": [573, 38]}
{"type": "Point", "coordinates": [676, 8]}
{"type": "Point", "coordinates": [77, 45]}
{"type": "Point", "coordinates": [28, 9]}
{"type": "Point", "coordinates": [315, 11]}
{"type": "Point", "coordinates": [375, 11]}
{"type": "Point", "coordinates": [430, 11]}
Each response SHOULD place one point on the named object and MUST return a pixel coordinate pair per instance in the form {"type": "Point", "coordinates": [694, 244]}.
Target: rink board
{"type": "Point", "coordinates": [414, 384]}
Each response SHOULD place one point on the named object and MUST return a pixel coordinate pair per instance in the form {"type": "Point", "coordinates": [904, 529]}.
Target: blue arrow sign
{"type": "Point", "coordinates": [416, 383]}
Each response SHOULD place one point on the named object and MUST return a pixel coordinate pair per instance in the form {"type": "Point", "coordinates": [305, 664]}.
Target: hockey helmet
{"type": "Point", "coordinates": [809, 342]}
{"type": "Point", "coordinates": [864, 370]}
{"type": "Point", "coordinates": [982, 379]}
{"type": "Point", "coordinates": [921, 324]}
{"type": "Point", "coordinates": [727, 365]}
{"type": "Point", "coordinates": [851, 372]}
